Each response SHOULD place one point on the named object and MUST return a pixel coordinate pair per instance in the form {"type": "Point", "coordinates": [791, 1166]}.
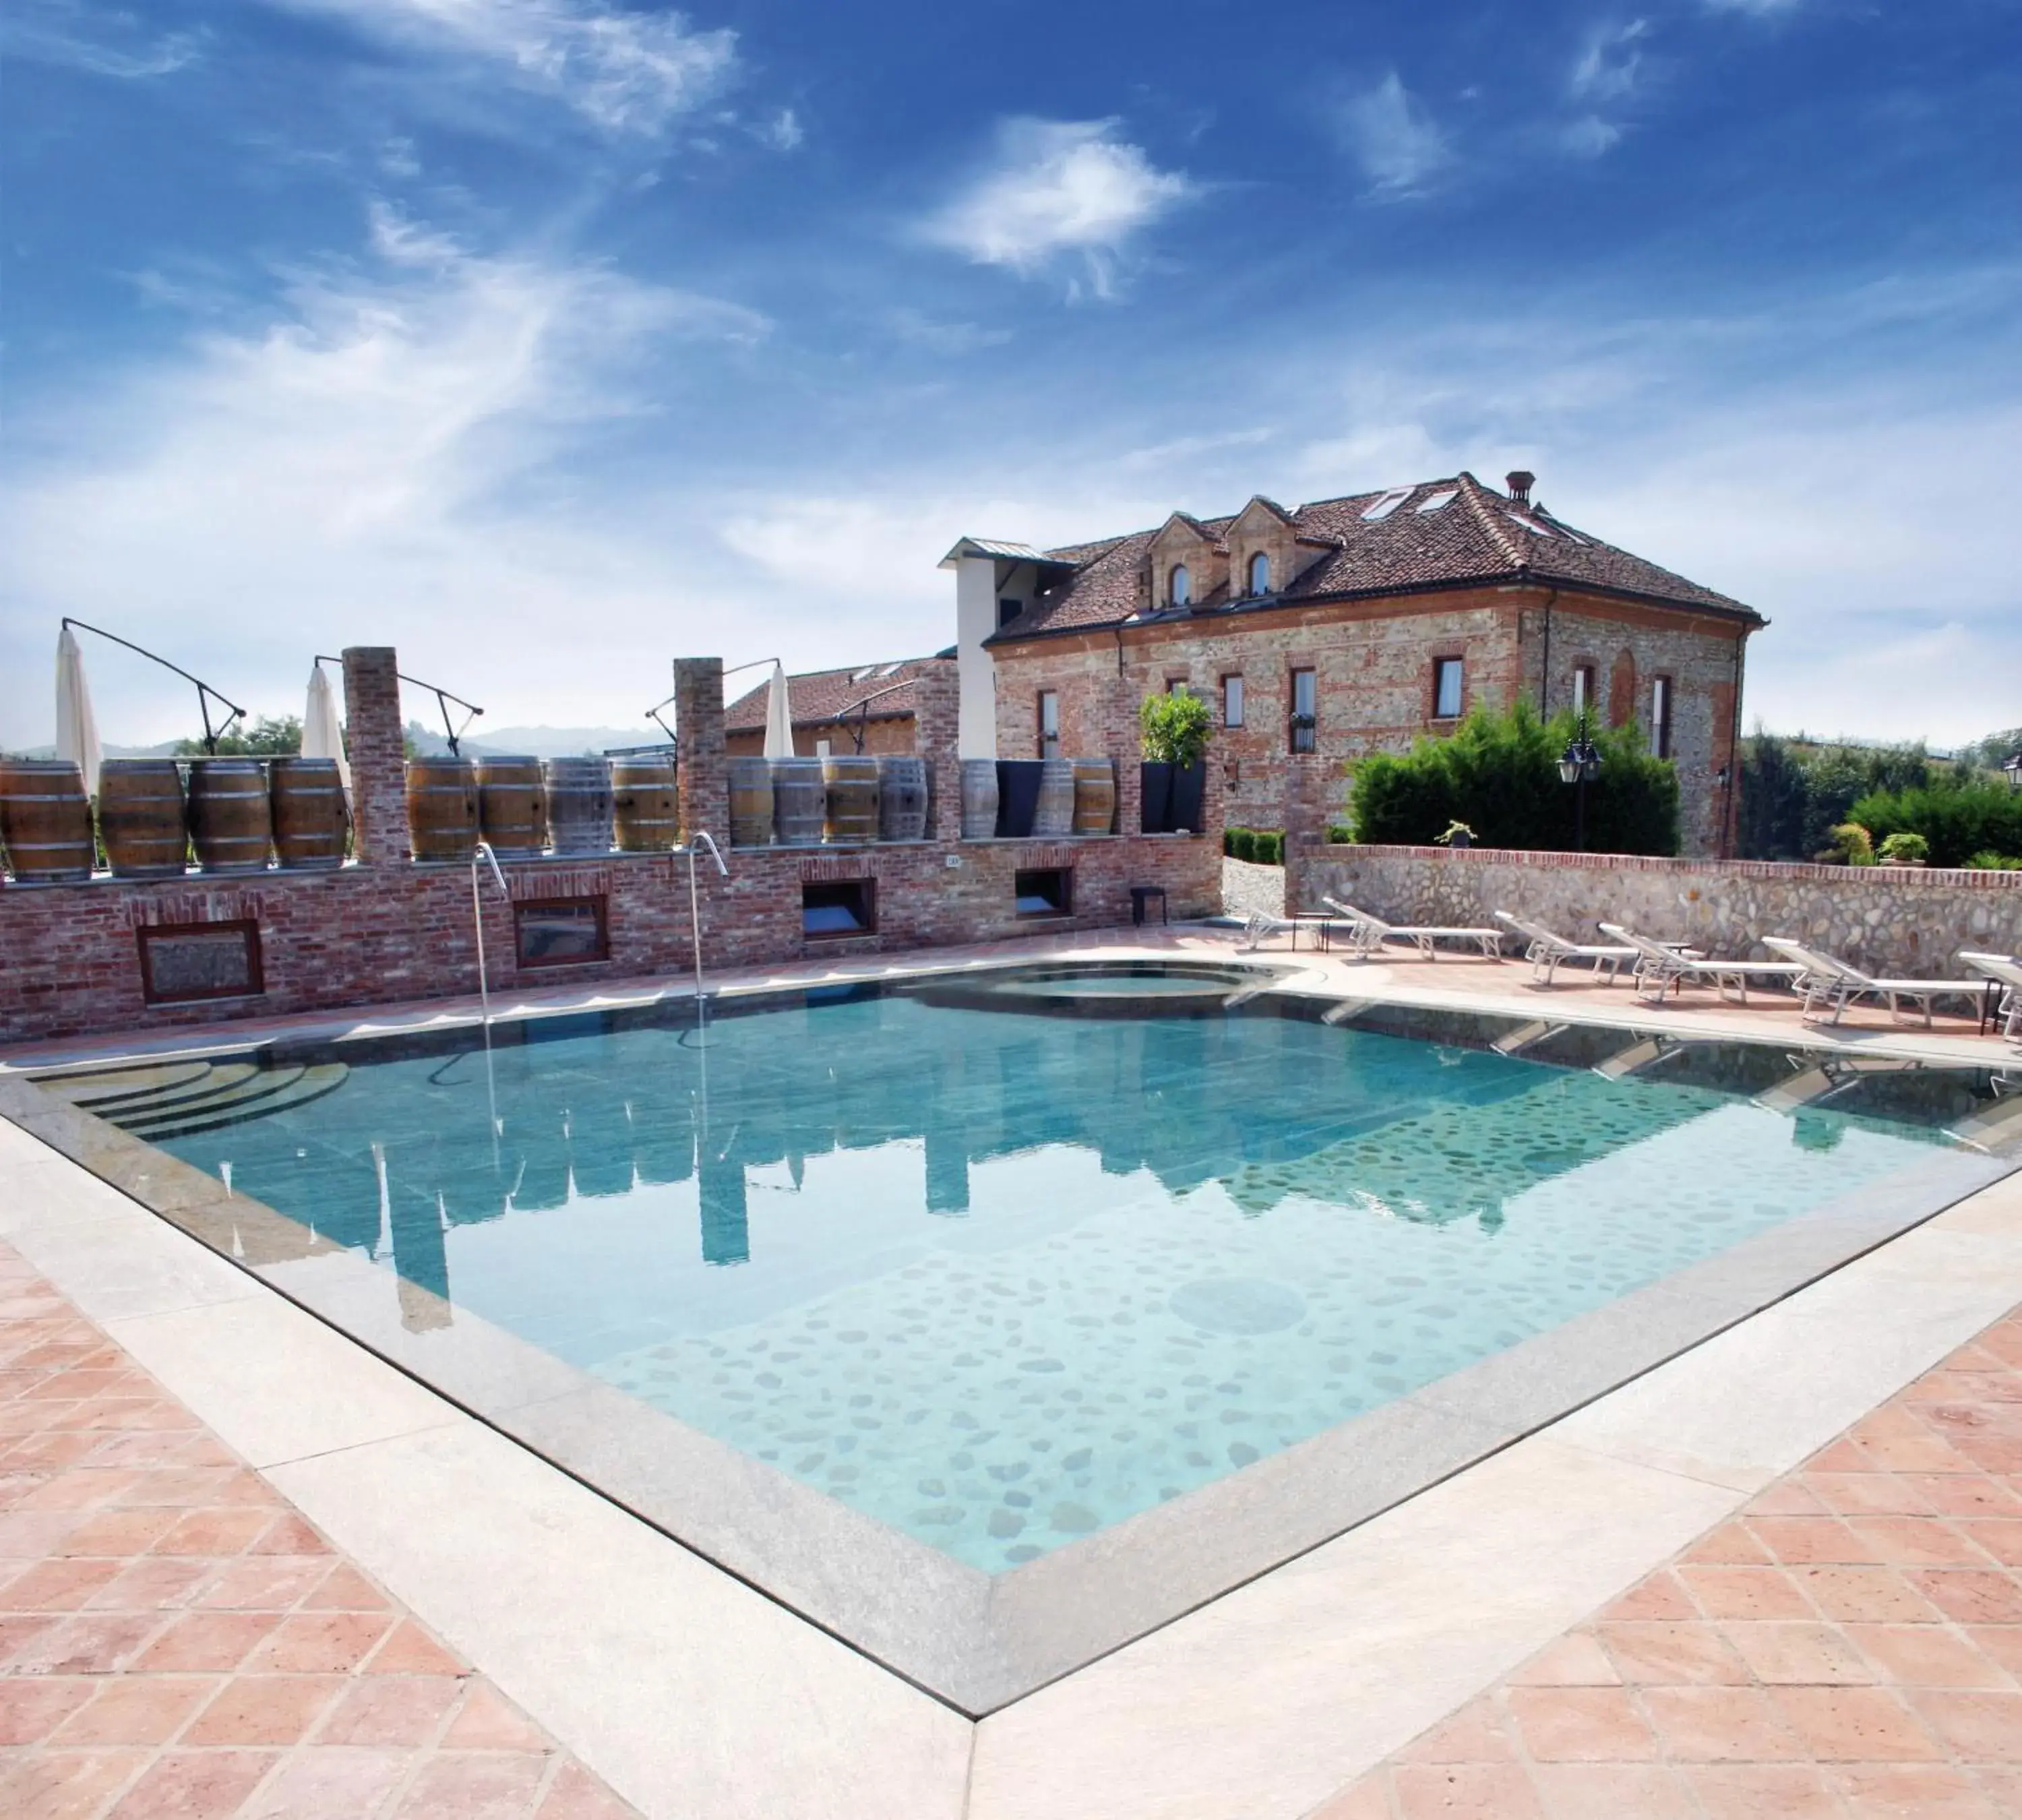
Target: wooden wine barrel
{"type": "Point", "coordinates": [231, 821]}
{"type": "Point", "coordinates": [513, 806]}
{"type": "Point", "coordinates": [902, 797]}
{"type": "Point", "coordinates": [1055, 812]}
{"type": "Point", "coordinates": [143, 823]}
{"type": "Point", "coordinates": [442, 808]}
{"type": "Point", "coordinates": [579, 805]}
{"type": "Point", "coordinates": [800, 801]}
{"type": "Point", "coordinates": [311, 816]}
{"type": "Point", "coordinates": [850, 784]}
{"type": "Point", "coordinates": [645, 813]}
{"type": "Point", "coordinates": [44, 820]}
{"type": "Point", "coordinates": [751, 802]}
{"type": "Point", "coordinates": [1095, 796]}
{"type": "Point", "coordinates": [979, 798]}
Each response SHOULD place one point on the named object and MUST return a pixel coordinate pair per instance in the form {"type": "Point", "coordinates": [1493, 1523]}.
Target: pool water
{"type": "Point", "coordinates": [1002, 1269]}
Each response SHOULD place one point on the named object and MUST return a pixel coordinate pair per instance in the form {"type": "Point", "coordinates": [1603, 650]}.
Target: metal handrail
{"type": "Point", "coordinates": [204, 691]}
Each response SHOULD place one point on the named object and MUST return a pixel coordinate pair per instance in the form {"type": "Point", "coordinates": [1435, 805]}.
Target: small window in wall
{"type": "Point", "coordinates": [1448, 689]}
{"type": "Point", "coordinates": [561, 931]}
{"type": "Point", "coordinates": [1231, 701]}
{"type": "Point", "coordinates": [1305, 711]}
{"type": "Point", "coordinates": [1183, 586]}
{"type": "Point", "coordinates": [1583, 689]}
{"type": "Point", "coordinates": [1045, 891]}
{"type": "Point", "coordinates": [1050, 724]}
{"type": "Point", "coordinates": [181, 961]}
{"type": "Point", "coordinates": [1660, 716]}
{"type": "Point", "coordinates": [821, 748]}
{"type": "Point", "coordinates": [1176, 686]}
{"type": "Point", "coordinates": [1260, 573]}
{"type": "Point", "coordinates": [1007, 611]}
{"type": "Point", "coordinates": [839, 907]}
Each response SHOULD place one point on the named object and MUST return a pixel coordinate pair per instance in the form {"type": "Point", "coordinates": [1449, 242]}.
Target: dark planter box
{"type": "Point", "coordinates": [1155, 781]}
{"type": "Point", "coordinates": [1189, 792]}
{"type": "Point", "coordinates": [1017, 796]}
{"type": "Point", "coordinates": [1173, 797]}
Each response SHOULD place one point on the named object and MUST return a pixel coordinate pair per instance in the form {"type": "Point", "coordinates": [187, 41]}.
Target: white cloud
{"type": "Point", "coordinates": [907, 324]}
{"type": "Point", "coordinates": [100, 43]}
{"type": "Point", "coordinates": [784, 132]}
{"type": "Point", "coordinates": [1590, 136]}
{"type": "Point", "coordinates": [1755, 9]}
{"type": "Point", "coordinates": [1399, 145]}
{"type": "Point", "coordinates": [1610, 63]}
{"type": "Point", "coordinates": [405, 453]}
{"type": "Point", "coordinates": [627, 71]}
{"type": "Point", "coordinates": [1059, 187]}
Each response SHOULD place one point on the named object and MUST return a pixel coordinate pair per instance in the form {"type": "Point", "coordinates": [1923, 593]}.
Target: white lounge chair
{"type": "Point", "coordinates": [2004, 970]}
{"type": "Point", "coordinates": [1367, 934]}
{"type": "Point", "coordinates": [1548, 951]}
{"type": "Point", "coordinates": [1658, 968]}
{"type": "Point", "coordinates": [1829, 985]}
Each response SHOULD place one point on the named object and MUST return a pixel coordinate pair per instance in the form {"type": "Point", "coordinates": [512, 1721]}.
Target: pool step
{"type": "Point", "coordinates": [269, 1091]}
{"type": "Point", "coordinates": [101, 1092]}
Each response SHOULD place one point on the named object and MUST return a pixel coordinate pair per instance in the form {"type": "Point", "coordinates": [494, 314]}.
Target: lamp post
{"type": "Point", "coordinates": [1579, 763]}
{"type": "Point", "coordinates": [2011, 770]}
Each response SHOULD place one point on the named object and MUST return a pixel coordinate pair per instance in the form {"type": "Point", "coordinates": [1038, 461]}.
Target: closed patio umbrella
{"type": "Point", "coordinates": [77, 730]}
{"type": "Point", "coordinates": [778, 717]}
{"type": "Point", "coordinates": [322, 737]}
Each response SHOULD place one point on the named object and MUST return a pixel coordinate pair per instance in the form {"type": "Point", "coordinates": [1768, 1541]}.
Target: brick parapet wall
{"type": "Point", "coordinates": [1890, 920]}
{"type": "Point", "coordinates": [936, 714]}
{"type": "Point", "coordinates": [702, 780]}
{"type": "Point", "coordinates": [374, 741]}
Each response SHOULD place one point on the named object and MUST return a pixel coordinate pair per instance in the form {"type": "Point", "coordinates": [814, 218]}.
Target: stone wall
{"type": "Point", "coordinates": [1890, 920]}
{"type": "Point", "coordinates": [388, 930]}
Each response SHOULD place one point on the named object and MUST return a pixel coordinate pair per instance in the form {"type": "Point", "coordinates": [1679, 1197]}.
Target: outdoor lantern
{"type": "Point", "coordinates": [1579, 763]}
{"type": "Point", "coordinates": [2012, 771]}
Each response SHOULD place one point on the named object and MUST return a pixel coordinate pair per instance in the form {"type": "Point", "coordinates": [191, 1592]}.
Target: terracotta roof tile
{"type": "Point", "coordinates": [821, 695]}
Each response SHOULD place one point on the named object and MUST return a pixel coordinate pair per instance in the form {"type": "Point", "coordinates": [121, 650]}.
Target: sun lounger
{"type": "Point", "coordinates": [1367, 934]}
{"type": "Point", "coordinates": [2004, 970]}
{"type": "Point", "coordinates": [1829, 985]}
{"type": "Point", "coordinates": [1658, 968]}
{"type": "Point", "coordinates": [1548, 951]}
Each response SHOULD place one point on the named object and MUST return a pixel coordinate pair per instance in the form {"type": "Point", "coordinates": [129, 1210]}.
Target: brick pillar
{"type": "Point", "coordinates": [1124, 743]}
{"type": "Point", "coordinates": [1311, 800]}
{"type": "Point", "coordinates": [702, 780]}
{"type": "Point", "coordinates": [373, 743]}
{"type": "Point", "coordinates": [937, 711]}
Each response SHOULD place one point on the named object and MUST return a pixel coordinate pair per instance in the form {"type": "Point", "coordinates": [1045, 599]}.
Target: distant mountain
{"type": "Point", "coordinates": [163, 751]}
{"type": "Point", "coordinates": [539, 742]}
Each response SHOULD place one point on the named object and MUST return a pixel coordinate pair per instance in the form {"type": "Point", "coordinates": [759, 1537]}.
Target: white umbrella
{"type": "Point", "coordinates": [321, 738]}
{"type": "Point", "coordinates": [778, 717]}
{"type": "Point", "coordinates": [77, 730]}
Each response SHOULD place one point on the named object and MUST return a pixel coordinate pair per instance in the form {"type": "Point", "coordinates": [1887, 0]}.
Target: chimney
{"type": "Point", "coordinates": [1521, 480]}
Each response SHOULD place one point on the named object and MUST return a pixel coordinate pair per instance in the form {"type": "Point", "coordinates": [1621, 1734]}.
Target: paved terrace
{"type": "Point", "coordinates": [1764, 1619]}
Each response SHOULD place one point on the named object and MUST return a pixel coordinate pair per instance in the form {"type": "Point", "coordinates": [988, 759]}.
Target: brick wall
{"type": "Point", "coordinates": [892, 735]}
{"type": "Point", "coordinates": [1373, 664]}
{"type": "Point", "coordinates": [1887, 920]}
{"type": "Point", "coordinates": [394, 930]}
{"type": "Point", "coordinates": [376, 747]}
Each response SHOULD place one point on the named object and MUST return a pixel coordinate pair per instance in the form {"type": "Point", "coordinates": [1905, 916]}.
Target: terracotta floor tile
{"type": "Point", "coordinates": [1719, 1725]}
{"type": "Point", "coordinates": [330, 1642]}
{"type": "Point", "coordinates": [468, 1787]}
{"type": "Point", "coordinates": [1730, 1545]}
{"type": "Point", "coordinates": [1925, 1655]}
{"type": "Point", "coordinates": [153, 1583]}
{"type": "Point", "coordinates": [71, 1784]}
{"type": "Point", "coordinates": [325, 1782]}
{"type": "Point", "coordinates": [1797, 1654]}
{"type": "Point", "coordinates": [264, 1582]}
{"type": "Point", "coordinates": [408, 1649]}
{"type": "Point", "coordinates": [1913, 1792]}
{"type": "Point", "coordinates": [1464, 1792]}
{"type": "Point", "coordinates": [1366, 1799]}
{"type": "Point", "coordinates": [1576, 1659]}
{"type": "Point", "coordinates": [1869, 1494]}
{"type": "Point", "coordinates": [343, 1589]}
{"type": "Point", "coordinates": [1671, 1654]}
{"type": "Point", "coordinates": [1745, 1592]}
{"type": "Point", "coordinates": [1581, 1724]}
{"type": "Point", "coordinates": [1613, 1791]}
{"type": "Point", "coordinates": [224, 1530]}
{"type": "Point", "coordinates": [90, 1643]}
{"type": "Point", "coordinates": [1865, 1596]}
{"type": "Point", "coordinates": [194, 1785]}
{"type": "Point", "coordinates": [32, 1707]}
{"type": "Point", "coordinates": [214, 1641]}
{"type": "Point", "coordinates": [1968, 1495]}
{"type": "Point", "coordinates": [1660, 1599]}
{"type": "Point", "coordinates": [1980, 1728]}
{"type": "Point", "coordinates": [1787, 1497]}
{"type": "Point", "coordinates": [2002, 1644]}
{"type": "Point", "coordinates": [576, 1794]}
{"type": "Point", "coordinates": [120, 1531]}
{"type": "Point", "coordinates": [58, 1585]}
{"type": "Point", "coordinates": [264, 1709]}
{"type": "Point", "coordinates": [1474, 1735]}
{"type": "Point", "coordinates": [2002, 1786]}
{"type": "Point", "coordinates": [1763, 1792]}
{"type": "Point", "coordinates": [488, 1721]}
{"type": "Point", "coordinates": [2000, 1538]}
{"type": "Point", "coordinates": [1972, 1595]}
{"type": "Point", "coordinates": [1917, 1542]}
{"type": "Point", "coordinates": [405, 1710]}
{"type": "Point", "coordinates": [1855, 1724]}
{"type": "Point", "coordinates": [1800, 1541]}
{"type": "Point", "coordinates": [135, 1709]}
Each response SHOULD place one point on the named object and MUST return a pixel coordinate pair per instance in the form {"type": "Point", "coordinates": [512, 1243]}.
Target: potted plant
{"type": "Point", "coordinates": [1457, 835]}
{"type": "Point", "coordinates": [1174, 730]}
{"type": "Point", "coordinates": [1904, 849]}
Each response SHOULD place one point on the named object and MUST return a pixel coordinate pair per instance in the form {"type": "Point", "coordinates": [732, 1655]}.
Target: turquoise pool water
{"type": "Point", "coordinates": [1000, 1276]}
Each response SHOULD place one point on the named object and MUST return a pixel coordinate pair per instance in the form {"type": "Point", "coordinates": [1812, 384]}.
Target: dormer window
{"type": "Point", "coordinates": [1260, 573]}
{"type": "Point", "coordinates": [1183, 586]}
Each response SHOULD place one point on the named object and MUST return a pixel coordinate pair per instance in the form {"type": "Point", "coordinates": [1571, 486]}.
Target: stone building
{"type": "Point", "coordinates": [1347, 626]}
{"type": "Point", "coordinates": [871, 707]}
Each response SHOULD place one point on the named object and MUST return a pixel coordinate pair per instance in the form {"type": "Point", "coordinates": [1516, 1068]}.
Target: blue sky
{"type": "Point", "coordinates": [547, 339]}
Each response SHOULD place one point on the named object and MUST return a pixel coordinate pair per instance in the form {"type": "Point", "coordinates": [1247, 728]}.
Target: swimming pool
{"type": "Point", "coordinates": [1023, 1265]}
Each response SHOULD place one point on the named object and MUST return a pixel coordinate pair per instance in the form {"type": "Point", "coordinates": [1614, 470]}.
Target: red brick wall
{"type": "Point", "coordinates": [894, 735]}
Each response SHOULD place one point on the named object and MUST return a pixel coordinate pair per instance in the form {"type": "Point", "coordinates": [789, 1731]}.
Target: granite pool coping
{"type": "Point", "coordinates": [976, 1641]}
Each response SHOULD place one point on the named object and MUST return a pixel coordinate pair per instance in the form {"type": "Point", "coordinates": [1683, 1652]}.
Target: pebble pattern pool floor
{"type": "Point", "coordinates": [1849, 1646]}
{"type": "Point", "coordinates": [176, 1640]}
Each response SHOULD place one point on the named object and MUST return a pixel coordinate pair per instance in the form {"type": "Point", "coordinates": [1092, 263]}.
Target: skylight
{"type": "Point", "coordinates": [1432, 502]}
{"type": "Point", "coordinates": [1385, 506]}
{"type": "Point", "coordinates": [892, 669]}
{"type": "Point", "coordinates": [1529, 524]}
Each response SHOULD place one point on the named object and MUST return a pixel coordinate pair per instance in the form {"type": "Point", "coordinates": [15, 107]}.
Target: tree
{"type": "Point", "coordinates": [1176, 727]}
{"type": "Point", "coordinates": [267, 738]}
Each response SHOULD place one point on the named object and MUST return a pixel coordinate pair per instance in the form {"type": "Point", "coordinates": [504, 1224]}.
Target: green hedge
{"type": "Point", "coordinates": [1959, 821]}
{"type": "Point", "coordinates": [1262, 846]}
{"type": "Point", "coordinates": [1498, 772]}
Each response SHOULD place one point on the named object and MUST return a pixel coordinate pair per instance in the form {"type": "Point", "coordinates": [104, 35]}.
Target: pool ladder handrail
{"type": "Point", "coordinates": [701, 838]}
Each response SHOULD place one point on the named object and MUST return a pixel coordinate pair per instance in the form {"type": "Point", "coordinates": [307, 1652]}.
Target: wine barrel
{"type": "Point", "coordinates": [902, 797]}
{"type": "Point", "coordinates": [851, 786]}
{"type": "Point", "coordinates": [579, 805]}
{"type": "Point", "coordinates": [1054, 813]}
{"type": "Point", "coordinates": [643, 810]}
{"type": "Point", "coordinates": [1095, 796]}
{"type": "Point", "coordinates": [979, 798]}
{"type": "Point", "coordinates": [751, 802]}
{"type": "Point", "coordinates": [44, 820]}
{"type": "Point", "coordinates": [311, 815]}
{"type": "Point", "coordinates": [142, 821]}
{"type": "Point", "coordinates": [442, 808]}
{"type": "Point", "coordinates": [513, 806]}
{"type": "Point", "coordinates": [800, 801]}
{"type": "Point", "coordinates": [231, 821]}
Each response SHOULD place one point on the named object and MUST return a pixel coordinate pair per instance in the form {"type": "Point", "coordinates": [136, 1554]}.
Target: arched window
{"type": "Point", "coordinates": [1183, 585]}
{"type": "Point", "coordinates": [1260, 573]}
